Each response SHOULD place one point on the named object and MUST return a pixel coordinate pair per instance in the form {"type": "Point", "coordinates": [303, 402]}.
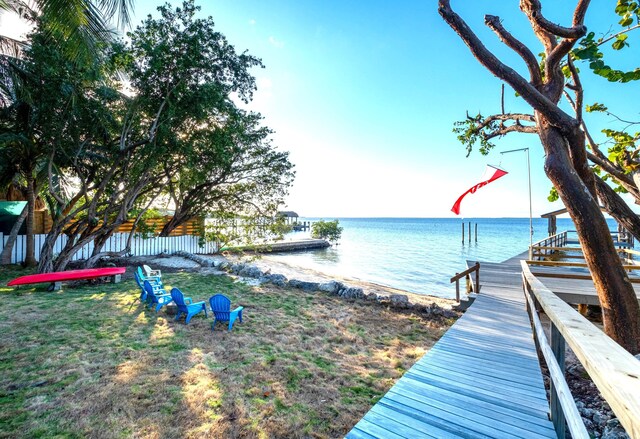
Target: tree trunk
{"type": "Point", "coordinates": [30, 260]}
{"type": "Point", "coordinates": [620, 310]}
{"type": "Point", "coordinates": [5, 258]}
{"type": "Point", "coordinates": [176, 221]}
{"type": "Point", "coordinates": [618, 208]}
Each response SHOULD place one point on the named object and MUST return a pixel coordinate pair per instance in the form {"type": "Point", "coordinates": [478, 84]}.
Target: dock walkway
{"type": "Point", "coordinates": [482, 379]}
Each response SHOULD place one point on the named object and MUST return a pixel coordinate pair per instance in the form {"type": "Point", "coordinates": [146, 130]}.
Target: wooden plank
{"type": "Point", "coordinates": [531, 389]}
{"type": "Point", "coordinates": [464, 417]}
{"type": "Point", "coordinates": [372, 429]}
{"type": "Point", "coordinates": [485, 392]}
{"type": "Point", "coordinates": [573, 264]}
{"type": "Point", "coordinates": [412, 427]}
{"type": "Point", "coordinates": [429, 393]}
{"type": "Point", "coordinates": [478, 354]}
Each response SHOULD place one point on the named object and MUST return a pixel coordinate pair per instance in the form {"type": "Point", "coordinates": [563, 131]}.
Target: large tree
{"type": "Point", "coordinates": [136, 146]}
{"type": "Point", "coordinates": [221, 157]}
{"type": "Point", "coordinates": [77, 27]}
{"type": "Point", "coordinates": [231, 167]}
{"type": "Point", "coordinates": [563, 139]}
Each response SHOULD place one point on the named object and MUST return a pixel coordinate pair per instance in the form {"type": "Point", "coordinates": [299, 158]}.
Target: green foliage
{"type": "Point", "coordinates": [144, 229]}
{"type": "Point", "coordinates": [589, 48]}
{"type": "Point", "coordinates": [178, 135]}
{"type": "Point", "coordinates": [623, 151]}
{"type": "Point", "coordinates": [226, 230]}
{"type": "Point", "coordinates": [279, 227]}
{"type": "Point", "coordinates": [329, 230]}
{"type": "Point", "coordinates": [469, 134]}
{"type": "Point", "coordinates": [221, 158]}
{"type": "Point", "coordinates": [596, 107]}
{"type": "Point", "coordinates": [553, 195]}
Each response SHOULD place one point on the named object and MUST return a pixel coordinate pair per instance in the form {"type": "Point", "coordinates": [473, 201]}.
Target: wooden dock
{"type": "Point", "coordinates": [481, 380]}
{"type": "Point", "coordinates": [283, 246]}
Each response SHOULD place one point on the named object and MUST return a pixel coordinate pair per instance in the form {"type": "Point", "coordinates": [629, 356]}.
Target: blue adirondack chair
{"type": "Point", "coordinates": [154, 280]}
{"type": "Point", "coordinates": [221, 309]}
{"type": "Point", "coordinates": [186, 306]}
{"type": "Point", "coordinates": [143, 292]}
{"type": "Point", "coordinates": [156, 297]}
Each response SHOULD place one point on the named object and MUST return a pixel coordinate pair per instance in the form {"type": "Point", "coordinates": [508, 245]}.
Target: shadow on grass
{"type": "Point", "coordinates": [90, 361]}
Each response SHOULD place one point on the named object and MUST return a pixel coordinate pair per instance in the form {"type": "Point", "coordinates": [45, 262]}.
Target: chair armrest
{"type": "Point", "coordinates": [197, 303]}
{"type": "Point", "coordinates": [188, 299]}
{"type": "Point", "coordinates": [238, 309]}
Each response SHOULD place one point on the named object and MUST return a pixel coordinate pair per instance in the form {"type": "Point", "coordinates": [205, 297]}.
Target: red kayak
{"type": "Point", "coordinates": [58, 276]}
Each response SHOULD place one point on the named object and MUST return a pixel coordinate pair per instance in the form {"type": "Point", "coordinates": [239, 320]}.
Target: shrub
{"type": "Point", "coordinates": [329, 230]}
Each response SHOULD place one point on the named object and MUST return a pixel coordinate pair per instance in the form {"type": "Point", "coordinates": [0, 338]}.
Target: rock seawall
{"type": "Point", "coordinates": [334, 287]}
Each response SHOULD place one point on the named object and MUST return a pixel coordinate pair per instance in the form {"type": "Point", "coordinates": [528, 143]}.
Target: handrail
{"type": "Point", "coordinates": [467, 272]}
{"type": "Point", "coordinates": [614, 371]}
{"type": "Point", "coordinates": [557, 240]}
{"type": "Point", "coordinates": [573, 264]}
{"type": "Point", "coordinates": [557, 236]}
{"type": "Point", "coordinates": [579, 249]}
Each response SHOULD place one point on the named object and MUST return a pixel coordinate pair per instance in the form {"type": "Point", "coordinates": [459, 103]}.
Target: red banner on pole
{"type": "Point", "coordinates": [493, 173]}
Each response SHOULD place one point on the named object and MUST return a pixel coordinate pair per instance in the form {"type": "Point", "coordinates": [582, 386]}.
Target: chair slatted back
{"type": "Point", "coordinates": [178, 298]}
{"type": "Point", "coordinates": [221, 306]}
{"type": "Point", "coordinates": [150, 293]}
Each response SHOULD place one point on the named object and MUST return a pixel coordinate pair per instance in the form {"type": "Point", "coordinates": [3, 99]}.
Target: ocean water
{"type": "Point", "coordinates": [419, 255]}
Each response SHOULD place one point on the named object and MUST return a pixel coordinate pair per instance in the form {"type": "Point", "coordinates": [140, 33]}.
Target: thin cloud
{"type": "Point", "coordinates": [252, 22]}
{"type": "Point", "coordinates": [276, 43]}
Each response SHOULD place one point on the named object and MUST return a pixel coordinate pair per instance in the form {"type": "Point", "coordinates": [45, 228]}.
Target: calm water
{"type": "Point", "coordinates": [418, 254]}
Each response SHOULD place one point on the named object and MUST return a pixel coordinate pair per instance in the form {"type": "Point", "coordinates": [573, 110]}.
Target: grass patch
{"type": "Point", "coordinates": [91, 361]}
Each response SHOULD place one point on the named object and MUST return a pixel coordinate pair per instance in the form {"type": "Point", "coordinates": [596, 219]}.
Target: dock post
{"type": "Point", "coordinates": [476, 232]}
{"type": "Point", "coordinates": [469, 232]}
{"type": "Point", "coordinates": [463, 233]}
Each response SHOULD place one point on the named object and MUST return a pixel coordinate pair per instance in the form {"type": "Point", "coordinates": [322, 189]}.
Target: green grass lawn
{"type": "Point", "coordinates": [91, 361]}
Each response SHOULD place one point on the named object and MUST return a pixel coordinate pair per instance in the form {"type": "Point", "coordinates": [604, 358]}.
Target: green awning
{"type": "Point", "coordinates": [12, 208]}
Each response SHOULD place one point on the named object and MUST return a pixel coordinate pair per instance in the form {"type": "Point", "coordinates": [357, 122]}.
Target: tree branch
{"type": "Point", "coordinates": [529, 58]}
{"type": "Point", "coordinates": [535, 98]}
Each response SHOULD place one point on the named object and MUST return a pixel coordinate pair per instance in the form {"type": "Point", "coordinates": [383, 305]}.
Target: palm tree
{"type": "Point", "coordinates": [81, 24]}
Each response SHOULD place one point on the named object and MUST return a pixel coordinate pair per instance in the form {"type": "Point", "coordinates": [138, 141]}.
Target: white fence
{"type": "Point", "coordinates": [117, 242]}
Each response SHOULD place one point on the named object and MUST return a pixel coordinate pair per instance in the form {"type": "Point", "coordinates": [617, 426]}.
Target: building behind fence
{"type": "Point", "coordinates": [118, 241]}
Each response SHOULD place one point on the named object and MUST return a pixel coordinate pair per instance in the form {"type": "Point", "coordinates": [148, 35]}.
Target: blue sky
{"type": "Point", "coordinates": [364, 95]}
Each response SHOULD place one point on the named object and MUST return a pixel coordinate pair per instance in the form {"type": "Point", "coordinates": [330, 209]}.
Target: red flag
{"type": "Point", "coordinates": [492, 173]}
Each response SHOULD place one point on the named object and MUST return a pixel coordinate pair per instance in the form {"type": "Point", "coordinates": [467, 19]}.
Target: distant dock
{"type": "Point", "coordinates": [283, 246]}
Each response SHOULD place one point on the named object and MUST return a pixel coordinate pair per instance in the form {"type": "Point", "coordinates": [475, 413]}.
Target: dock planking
{"type": "Point", "coordinates": [481, 380]}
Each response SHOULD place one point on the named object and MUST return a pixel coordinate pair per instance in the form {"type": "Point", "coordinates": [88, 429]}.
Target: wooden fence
{"type": "Point", "coordinates": [43, 223]}
{"type": "Point", "coordinates": [117, 242]}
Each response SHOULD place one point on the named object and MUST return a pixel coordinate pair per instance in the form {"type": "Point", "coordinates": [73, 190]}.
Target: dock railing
{"type": "Point", "coordinates": [470, 284]}
{"type": "Point", "coordinates": [547, 246]}
{"type": "Point", "coordinates": [614, 371]}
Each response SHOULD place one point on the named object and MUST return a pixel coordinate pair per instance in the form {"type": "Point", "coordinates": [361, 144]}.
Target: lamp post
{"type": "Point", "coordinates": [530, 208]}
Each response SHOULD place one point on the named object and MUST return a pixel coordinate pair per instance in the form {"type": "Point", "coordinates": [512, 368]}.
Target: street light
{"type": "Point", "coordinates": [530, 209]}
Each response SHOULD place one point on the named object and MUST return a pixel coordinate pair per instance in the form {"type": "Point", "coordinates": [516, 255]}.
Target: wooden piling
{"type": "Point", "coordinates": [469, 232]}
{"type": "Point", "coordinates": [476, 232]}
{"type": "Point", "coordinates": [463, 233]}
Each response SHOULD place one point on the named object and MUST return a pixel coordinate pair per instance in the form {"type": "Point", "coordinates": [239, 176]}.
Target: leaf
{"type": "Point", "coordinates": [596, 107]}
{"type": "Point", "coordinates": [626, 21]}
